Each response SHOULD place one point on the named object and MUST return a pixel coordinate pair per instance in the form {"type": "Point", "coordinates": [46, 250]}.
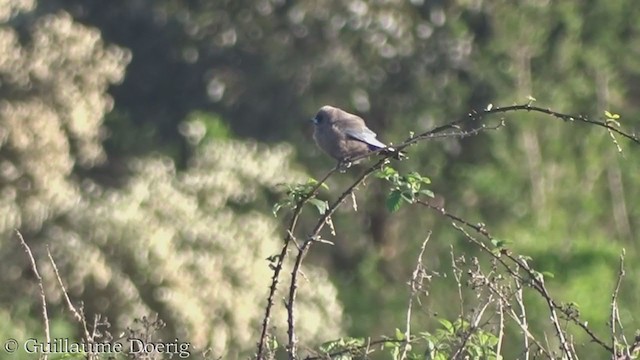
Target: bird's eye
{"type": "Point", "coordinates": [318, 119]}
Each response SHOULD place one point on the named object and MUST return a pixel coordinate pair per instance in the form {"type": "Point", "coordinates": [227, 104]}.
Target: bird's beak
{"type": "Point", "coordinates": [315, 121]}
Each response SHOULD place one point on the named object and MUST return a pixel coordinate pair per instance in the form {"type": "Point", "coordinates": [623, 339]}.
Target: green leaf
{"type": "Point", "coordinates": [352, 341]}
{"type": "Point", "coordinates": [391, 344]}
{"type": "Point", "coordinates": [399, 334]}
{"type": "Point", "coordinates": [405, 187]}
{"type": "Point", "coordinates": [407, 196]}
{"type": "Point", "coordinates": [321, 205]}
{"type": "Point", "coordinates": [276, 208]}
{"type": "Point", "coordinates": [428, 193]}
{"type": "Point", "coordinates": [274, 343]}
{"type": "Point", "coordinates": [548, 274]}
{"type": "Point", "coordinates": [279, 205]}
{"type": "Point", "coordinates": [394, 200]}
{"type": "Point", "coordinates": [499, 243]}
{"type": "Point", "coordinates": [311, 182]}
{"type": "Point", "coordinates": [417, 176]}
{"type": "Point", "coordinates": [441, 356]}
{"type": "Point", "coordinates": [610, 115]}
{"type": "Point", "coordinates": [329, 345]}
{"type": "Point", "coordinates": [447, 325]}
{"type": "Point", "coordinates": [461, 325]}
{"type": "Point", "coordinates": [386, 172]}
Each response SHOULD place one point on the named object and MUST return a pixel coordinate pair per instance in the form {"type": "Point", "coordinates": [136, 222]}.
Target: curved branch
{"type": "Point", "coordinates": [277, 268]}
{"type": "Point", "coordinates": [452, 129]}
{"type": "Point", "coordinates": [314, 236]}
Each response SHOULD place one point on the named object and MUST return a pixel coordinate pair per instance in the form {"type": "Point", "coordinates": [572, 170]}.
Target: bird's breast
{"type": "Point", "coordinates": [335, 143]}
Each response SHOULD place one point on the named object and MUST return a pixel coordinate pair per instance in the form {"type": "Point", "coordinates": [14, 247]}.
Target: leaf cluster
{"type": "Point", "coordinates": [404, 188]}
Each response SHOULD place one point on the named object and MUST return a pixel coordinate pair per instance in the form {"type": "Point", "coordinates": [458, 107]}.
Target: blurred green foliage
{"type": "Point", "coordinates": [185, 78]}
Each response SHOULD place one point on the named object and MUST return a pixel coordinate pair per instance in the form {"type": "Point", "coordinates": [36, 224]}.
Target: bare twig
{"type": "Point", "coordinates": [566, 117]}
{"type": "Point", "coordinates": [363, 349]}
{"type": "Point", "coordinates": [555, 320]}
{"type": "Point", "coordinates": [43, 298]}
{"type": "Point", "coordinates": [615, 315]}
{"type": "Point", "coordinates": [632, 350]}
{"type": "Point", "coordinates": [537, 283]}
{"type": "Point", "coordinates": [522, 319]}
{"type": "Point", "coordinates": [453, 129]}
{"type": "Point", "coordinates": [457, 275]}
{"type": "Point", "coordinates": [305, 248]}
{"type": "Point", "coordinates": [500, 329]}
{"type": "Point", "coordinates": [78, 315]}
{"type": "Point", "coordinates": [474, 325]}
{"type": "Point", "coordinates": [417, 278]}
{"type": "Point", "coordinates": [535, 280]}
{"type": "Point", "coordinates": [277, 268]}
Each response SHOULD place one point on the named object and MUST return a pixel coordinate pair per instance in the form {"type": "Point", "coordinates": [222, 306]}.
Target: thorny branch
{"type": "Point", "coordinates": [416, 283]}
{"type": "Point", "coordinates": [315, 236]}
{"type": "Point", "coordinates": [43, 298]}
{"type": "Point", "coordinates": [452, 129]}
{"type": "Point", "coordinates": [277, 268]}
{"type": "Point", "coordinates": [535, 280]}
{"type": "Point", "coordinates": [362, 349]}
{"type": "Point", "coordinates": [615, 315]}
{"type": "Point", "coordinates": [78, 315]}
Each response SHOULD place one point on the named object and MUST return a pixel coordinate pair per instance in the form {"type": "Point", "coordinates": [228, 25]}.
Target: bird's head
{"type": "Point", "coordinates": [325, 115]}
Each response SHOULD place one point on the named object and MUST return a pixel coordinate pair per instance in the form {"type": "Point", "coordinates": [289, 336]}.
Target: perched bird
{"type": "Point", "coordinates": [344, 136]}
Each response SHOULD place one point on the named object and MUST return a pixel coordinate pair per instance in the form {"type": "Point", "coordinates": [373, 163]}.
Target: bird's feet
{"type": "Point", "coordinates": [343, 165]}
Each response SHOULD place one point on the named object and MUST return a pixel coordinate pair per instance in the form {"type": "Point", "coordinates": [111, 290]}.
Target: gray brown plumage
{"type": "Point", "coordinates": [343, 135]}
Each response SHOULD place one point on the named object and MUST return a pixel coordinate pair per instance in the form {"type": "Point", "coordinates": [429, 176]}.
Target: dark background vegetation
{"type": "Point", "coordinates": [206, 80]}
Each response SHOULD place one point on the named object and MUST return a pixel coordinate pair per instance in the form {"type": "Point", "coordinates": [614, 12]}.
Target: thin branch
{"type": "Point", "coordinates": [534, 278]}
{"type": "Point", "coordinates": [416, 284]}
{"type": "Point", "coordinates": [473, 326]}
{"type": "Point", "coordinates": [355, 350]}
{"type": "Point", "coordinates": [80, 318]}
{"type": "Point", "coordinates": [72, 308]}
{"type": "Point", "coordinates": [566, 117]}
{"type": "Point", "coordinates": [43, 298]}
{"type": "Point", "coordinates": [475, 116]}
{"type": "Point", "coordinates": [520, 320]}
{"type": "Point", "coordinates": [523, 318]}
{"type": "Point", "coordinates": [538, 284]}
{"type": "Point", "coordinates": [633, 349]}
{"type": "Point", "coordinates": [457, 275]}
{"type": "Point", "coordinates": [552, 309]}
{"type": "Point", "coordinates": [615, 315]}
{"type": "Point", "coordinates": [277, 268]}
{"type": "Point", "coordinates": [292, 346]}
{"type": "Point", "coordinates": [453, 129]}
{"type": "Point", "coordinates": [480, 228]}
{"type": "Point", "coordinates": [500, 329]}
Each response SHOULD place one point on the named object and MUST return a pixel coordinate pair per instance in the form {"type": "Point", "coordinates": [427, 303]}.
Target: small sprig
{"type": "Point", "coordinates": [296, 193]}
{"type": "Point", "coordinates": [614, 121]}
{"type": "Point", "coordinates": [405, 188]}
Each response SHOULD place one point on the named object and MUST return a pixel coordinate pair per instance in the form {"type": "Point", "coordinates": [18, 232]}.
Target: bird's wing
{"type": "Point", "coordinates": [365, 135]}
